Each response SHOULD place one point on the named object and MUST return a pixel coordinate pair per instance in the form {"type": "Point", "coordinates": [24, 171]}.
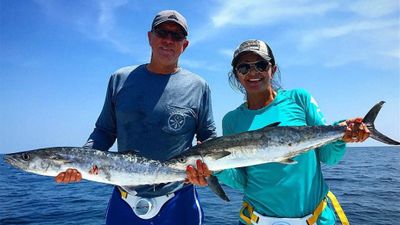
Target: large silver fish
{"type": "Point", "coordinates": [269, 144]}
{"type": "Point", "coordinates": [122, 169]}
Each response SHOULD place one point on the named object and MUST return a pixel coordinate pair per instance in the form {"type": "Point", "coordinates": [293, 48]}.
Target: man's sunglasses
{"type": "Point", "coordinates": [260, 66]}
{"type": "Point", "coordinates": [175, 36]}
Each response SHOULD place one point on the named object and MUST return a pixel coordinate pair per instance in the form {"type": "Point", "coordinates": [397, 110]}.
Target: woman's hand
{"type": "Point", "coordinates": [356, 130]}
{"type": "Point", "coordinates": [69, 176]}
{"type": "Point", "coordinates": [197, 175]}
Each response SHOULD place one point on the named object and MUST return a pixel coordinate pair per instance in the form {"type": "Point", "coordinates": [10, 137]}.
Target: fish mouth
{"type": "Point", "coordinates": [9, 159]}
{"type": "Point", "coordinates": [13, 161]}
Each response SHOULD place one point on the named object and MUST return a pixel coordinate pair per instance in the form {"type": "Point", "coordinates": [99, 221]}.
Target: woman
{"type": "Point", "coordinates": [276, 192]}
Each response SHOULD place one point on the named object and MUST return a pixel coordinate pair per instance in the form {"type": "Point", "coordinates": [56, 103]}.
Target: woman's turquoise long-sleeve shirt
{"type": "Point", "coordinates": [276, 189]}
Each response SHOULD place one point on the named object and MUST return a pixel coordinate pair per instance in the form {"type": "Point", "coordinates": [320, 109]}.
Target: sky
{"type": "Point", "coordinates": [56, 58]}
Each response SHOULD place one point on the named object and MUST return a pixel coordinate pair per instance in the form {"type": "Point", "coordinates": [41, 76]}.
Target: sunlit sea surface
{"type": "Point", "coordinates": [366, 182]}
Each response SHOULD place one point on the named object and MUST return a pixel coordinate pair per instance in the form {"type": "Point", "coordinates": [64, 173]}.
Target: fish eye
{"type": "Point", "coordinates": [181, 160]}
{"type": "Point", "coordinates": [25, 156]}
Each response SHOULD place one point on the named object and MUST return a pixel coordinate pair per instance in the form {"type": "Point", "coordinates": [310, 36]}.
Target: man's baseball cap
{"type": "Point", "coordinates": [256, 46]}
{"type": "Point", "coordinates": [172, 16]}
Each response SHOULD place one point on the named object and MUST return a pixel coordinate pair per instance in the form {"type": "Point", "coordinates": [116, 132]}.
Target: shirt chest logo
{"type": "Point", "coordinates": [176, 121]}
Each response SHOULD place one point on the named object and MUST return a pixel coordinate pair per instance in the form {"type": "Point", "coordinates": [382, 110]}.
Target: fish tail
{"type": "Point", "coordinates": [369, 119]}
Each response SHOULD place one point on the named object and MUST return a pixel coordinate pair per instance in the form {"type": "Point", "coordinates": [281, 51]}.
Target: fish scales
{"type": "Point", "coordinates": [271, 144]}
{"type": "Point", "coordinates": [112, 168]}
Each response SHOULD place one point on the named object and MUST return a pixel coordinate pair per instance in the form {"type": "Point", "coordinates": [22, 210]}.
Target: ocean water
{"type": "Point", "coordinates": [366, 182]}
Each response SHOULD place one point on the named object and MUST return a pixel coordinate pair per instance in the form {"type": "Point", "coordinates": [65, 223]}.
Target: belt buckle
{"type": "Point", "coordinates": [146, 208]}
{"type": "Point", "coordinates": [143, 207]}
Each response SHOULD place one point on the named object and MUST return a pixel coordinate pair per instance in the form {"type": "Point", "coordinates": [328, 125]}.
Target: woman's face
{"type": "Point", "coordinates": [254, 73]}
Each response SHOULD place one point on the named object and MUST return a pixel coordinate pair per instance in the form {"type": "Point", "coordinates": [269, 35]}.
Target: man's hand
{"type": "Point", "coordinates": [69, 176]}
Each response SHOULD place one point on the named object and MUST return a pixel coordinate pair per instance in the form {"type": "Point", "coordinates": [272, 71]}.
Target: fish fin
{"type": "Point", "coordinates": [288, 161]}
{"type": "Point", "coordinates": [220, 154]}
{"type": "Point", "coordinates": [272, 125]}
{"type": "Point", "coordinates": [369, 122]}
{"type": "Point", "coordinates": [215, 186]}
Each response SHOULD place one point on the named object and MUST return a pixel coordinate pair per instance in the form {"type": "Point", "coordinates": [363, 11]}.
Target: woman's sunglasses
{"type": "Point", "coordinates": [175, 36]}
{"type": "Point", "coordinates": [260, 66]}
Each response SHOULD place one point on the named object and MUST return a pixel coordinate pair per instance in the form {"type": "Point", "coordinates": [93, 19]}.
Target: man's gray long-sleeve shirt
{"type": "Point", "coordinates": [155, 115]}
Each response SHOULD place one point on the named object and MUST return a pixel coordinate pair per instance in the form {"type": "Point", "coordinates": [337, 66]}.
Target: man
{"type": "Point", "coordinates": [154, 109]}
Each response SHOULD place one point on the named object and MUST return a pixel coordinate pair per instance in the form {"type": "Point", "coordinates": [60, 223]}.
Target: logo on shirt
{"type": "Point", "coordinates": [176, 121]}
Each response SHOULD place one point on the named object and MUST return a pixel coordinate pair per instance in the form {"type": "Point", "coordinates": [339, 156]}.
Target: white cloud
{"type": "Point", "coordinates": [395, 53]}
{"type": "Point", "coordinates": [353, 30]}
{"type": "Point", "coordinates": [261, 12]}
{"type": "Point", "coordinates": [374, 9]}
{"type": "Point", "coordinates": [313, 37]}
{"type": "Point", "coordinates": [94, 19]}
{"type": "Point", "coordinates": [106, 24]}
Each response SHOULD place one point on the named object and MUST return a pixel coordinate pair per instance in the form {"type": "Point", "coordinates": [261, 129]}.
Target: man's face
{"type": "Point", "coordinates": [166, 48]}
